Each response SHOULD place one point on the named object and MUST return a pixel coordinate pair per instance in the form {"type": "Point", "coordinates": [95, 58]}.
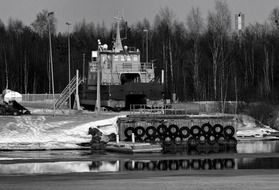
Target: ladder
{"type": "Point", "coordinates": [66, 93]}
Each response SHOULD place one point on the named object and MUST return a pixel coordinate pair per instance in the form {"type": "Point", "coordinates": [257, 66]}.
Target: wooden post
{"type": "Point", "coordinates": [117, 139]}
{"type": "Point", "coordinates": [133, 138]}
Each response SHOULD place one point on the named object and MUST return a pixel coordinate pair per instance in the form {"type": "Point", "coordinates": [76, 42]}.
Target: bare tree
{"type": "Point", "coordinates": [195, 27]}
{"type": "Point", "coordinates": [219, 27]}
{"type": "Point", "coordinates": [163, 24]}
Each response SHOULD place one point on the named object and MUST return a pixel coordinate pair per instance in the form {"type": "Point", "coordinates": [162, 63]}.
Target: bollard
{"type": "Point", "coordinates": [133, 138]}
{"type": "Point", "coordinates": [133, 164]}
{"type": "Point", "coordinates": [117, 139]}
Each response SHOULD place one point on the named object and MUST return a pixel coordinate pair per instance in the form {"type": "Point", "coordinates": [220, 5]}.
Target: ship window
{"type": "Point", "coordinates": [122, 58]}
{"type": "Point", "coordinates": [127, 65]}
{"type": "Point", "coordinates": [130, 78]}
{"type": "Point", "coordinates": [116, 58]}
{"type": "Point", "coordinates": [109, 64]}
{"type": "Point", "coordinates": [135, 58]}
{"type": "Point", "coordinates": [128, 58]}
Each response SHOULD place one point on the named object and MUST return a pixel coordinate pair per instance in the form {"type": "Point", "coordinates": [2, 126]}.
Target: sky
{"type": "Point", "coordinates": [97, 11]}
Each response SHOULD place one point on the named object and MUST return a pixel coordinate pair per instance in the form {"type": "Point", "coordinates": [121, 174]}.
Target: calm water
{"type": "Point", "coordinates": [139, 165]}
{"type": "Point", "coordinates": [87, 161]}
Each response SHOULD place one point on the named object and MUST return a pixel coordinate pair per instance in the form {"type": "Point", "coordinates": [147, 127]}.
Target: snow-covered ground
{"type": "Point", "coordinates": [43, 132]}
{"type": "Point", "coordinates": [248, 126]}
{"type": "Point", "coordinates": [62, 132]}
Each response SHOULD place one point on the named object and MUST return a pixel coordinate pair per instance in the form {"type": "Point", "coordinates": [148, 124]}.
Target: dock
{"type": "Point", "coordinates": [130, 147]}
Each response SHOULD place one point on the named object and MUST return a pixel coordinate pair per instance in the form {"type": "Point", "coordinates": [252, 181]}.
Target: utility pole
{"type": "Point", "coordinates": [51, 62]}
{"type": "Point", "coordinates": [83, 66]}
{"type": "Point", "coordinates": [69, 62]}
{"type": "Point", "coordinates": [146, 45]}
{"type": "Point", "coordinates": [98, 98]}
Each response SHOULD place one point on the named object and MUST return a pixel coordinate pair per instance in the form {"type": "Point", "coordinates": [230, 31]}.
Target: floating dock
{"type": "Point", "coordinates": [130, 147]}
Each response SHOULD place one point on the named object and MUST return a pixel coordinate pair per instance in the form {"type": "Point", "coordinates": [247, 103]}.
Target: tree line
{"type": "Point", "coordinates": [203, 58]}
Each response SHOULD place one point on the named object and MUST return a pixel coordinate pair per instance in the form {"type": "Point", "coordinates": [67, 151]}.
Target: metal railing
{"type": "Point", "coordinates": [166, 109]}
{"type": "Point", "coordinates": [38, 97]}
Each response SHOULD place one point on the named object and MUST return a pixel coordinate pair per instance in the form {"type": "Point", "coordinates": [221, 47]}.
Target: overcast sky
{"type": "Point", "coordinates": [134, 10]}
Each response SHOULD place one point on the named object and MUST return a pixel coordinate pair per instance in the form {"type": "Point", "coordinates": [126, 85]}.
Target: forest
{"type": "Point", "coordinates": [204, 58]}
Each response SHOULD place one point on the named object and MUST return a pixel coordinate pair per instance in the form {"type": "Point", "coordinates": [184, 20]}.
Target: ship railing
{"type": "Point", "coordinates": [143, 109]}
{"type": "Point", "coordinates": [144, 66]}
{"type": "Point", "coordinates": [93, 66]}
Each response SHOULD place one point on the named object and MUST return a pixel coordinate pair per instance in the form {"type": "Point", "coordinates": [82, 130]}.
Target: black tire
{"type": "Point", "coordinates": [138, 139]}
{"type": "Point", "coordinates": [231, 142]}
{"type": "Point", "coordinates": [229, 163]}
{"type": "Point", "coordinates": [162, 165]}
{"type": "Point", "coordinates": [196, 164]}
{"type": "Point", "coordinates": [221, 140]}
{"type": "Point", "coordinates": [192, 142]}
{"type": "Point", "coordinates": [157, 139]}
{"type": "Point", "coordinates": [218, 164]}
{"type": "Point", "coordinates": [128, 165]}
{"type": "Point", "coordinates": [217, 129]}
{"type": "Point", "coordinates": [184, 132]}
{"type": "Point", "coordinates": [211, 139]}
{"type": "Point", "coordinates": [173, 165]}
{"type": "Point", "coordinates": [128, 132]}
{"type": "Point", "coordinates": [202, 139]}
{"type": "Point", "coordinates": [229, 131]}
{"type": "Point", "coordinates": [139, 131]}
{"type": "Point", "coordinates": [184, 140]}
{"type": "Point", "coordinates": [139, 166]}
{"type": "Point", "coordinates": [173, 129]}
{"type": "Point", "coordinates": [206, 128]}
{"type": "Point", "coordinates": [167, 140]}
{"type": "Point", "coordinates": [177, 140]}
{"type": "Point", "coordinates": [150, 131]}
{"type": "Point", "coordinates": [162, 130]}
{"type": "Point", "coordinates": [151, 165]}
{"type": "Point", "coordinates": [207, 164]}
{"type": "Point", "coordinates": [184, 164]}
{"type": "Point", "coordinates": [195, 130]}
{"type": "Point", "coordinates": [149, 139]}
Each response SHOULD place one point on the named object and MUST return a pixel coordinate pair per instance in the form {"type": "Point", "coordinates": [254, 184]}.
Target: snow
{"type": "Point", "coordinates": [37, 132]}
{"type": "Point", "coordinates": [29, 132]}
{"type": "Point", "coordinates": [247, 126]}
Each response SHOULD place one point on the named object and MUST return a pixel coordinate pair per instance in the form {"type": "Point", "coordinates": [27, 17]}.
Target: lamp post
{"type": "Point", "coordinates": [69, 61]}
{"type": "Point", "coordinates": [146, 30]}
{"type": "Point", "coordinates": [51, 62]}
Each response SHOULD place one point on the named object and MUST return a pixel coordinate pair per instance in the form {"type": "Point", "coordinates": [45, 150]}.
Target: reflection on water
{"type": "Point", "coordinates": [258, 163]}
{"type": "Point", "coordinates": [185, 164]}
{"type": "Point", "coordinates": [258, 147]}
{"type": "Point", "coordinates": [139, 165]}
{"type": "Point", "coordinates": [59, 167]}
{"type": "Point", "coordinates": [249, 147]}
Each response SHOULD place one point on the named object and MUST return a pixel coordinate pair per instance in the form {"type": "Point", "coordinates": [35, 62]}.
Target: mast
{"type": "Point", "coordinates": [118, 44]}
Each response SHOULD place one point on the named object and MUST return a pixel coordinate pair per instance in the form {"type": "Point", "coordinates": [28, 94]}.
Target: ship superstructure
{"type": "Point", "coordinates": [124, 79]}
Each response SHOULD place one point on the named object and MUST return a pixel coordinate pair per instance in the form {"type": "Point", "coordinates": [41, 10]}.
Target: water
{"type": "Point", "coordinates": [117, 166]}
{"type": "Point", "coordinates": [257, 155]}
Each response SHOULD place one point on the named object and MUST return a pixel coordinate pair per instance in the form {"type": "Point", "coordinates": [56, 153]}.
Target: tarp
{"type": "Point", "coordinates": [11, 95]}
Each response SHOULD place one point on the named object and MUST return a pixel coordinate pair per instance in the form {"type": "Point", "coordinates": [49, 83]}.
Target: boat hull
{"type": "Point", "coordinates": [150, 94]}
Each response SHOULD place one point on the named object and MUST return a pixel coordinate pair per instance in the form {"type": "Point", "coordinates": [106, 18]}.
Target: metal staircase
{"type": "Point", "coordinates": [70, 88]}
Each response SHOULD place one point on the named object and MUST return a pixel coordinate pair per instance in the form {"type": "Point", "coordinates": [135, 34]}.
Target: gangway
{"type": "Point", "coordinates": [68, 91]}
